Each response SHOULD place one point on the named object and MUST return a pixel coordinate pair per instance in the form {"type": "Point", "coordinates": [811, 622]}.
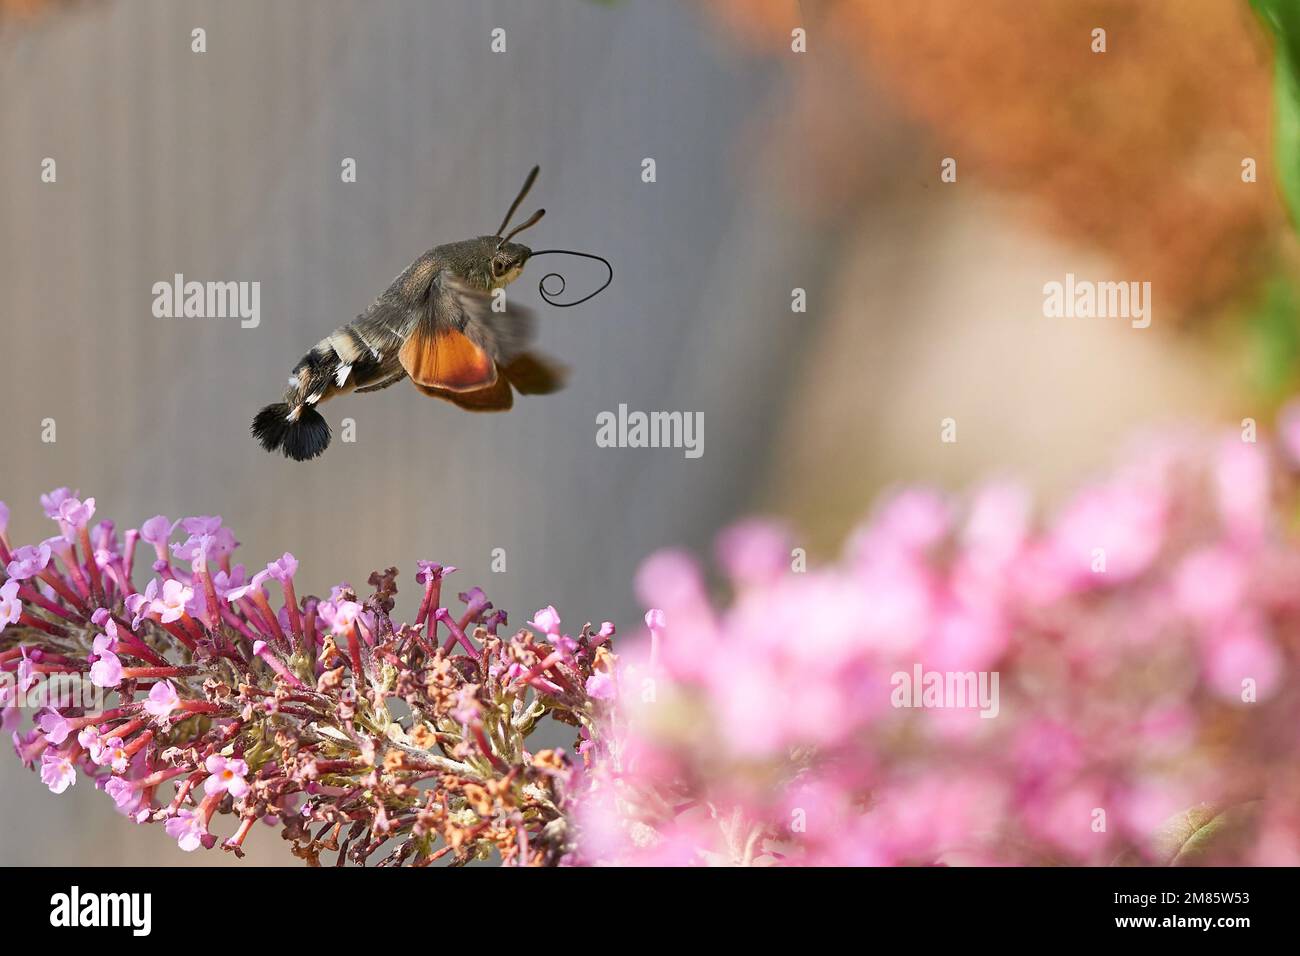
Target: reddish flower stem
{"type": "Point", "coordinates": [92, 566]}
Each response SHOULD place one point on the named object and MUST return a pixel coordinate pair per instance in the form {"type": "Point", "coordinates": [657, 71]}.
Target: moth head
{"type": "Point", "coordinates": [507, 262]}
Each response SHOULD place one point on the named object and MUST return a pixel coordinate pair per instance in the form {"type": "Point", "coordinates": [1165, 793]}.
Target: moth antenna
{"type": "Point", "coordinates": [528, 184]}
{"type": "Point", "coordinates": [530, 221]}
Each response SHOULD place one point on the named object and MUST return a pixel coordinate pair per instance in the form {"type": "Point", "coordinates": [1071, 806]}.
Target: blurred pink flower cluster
{"type": "Point", "coordinates": [972, 684]}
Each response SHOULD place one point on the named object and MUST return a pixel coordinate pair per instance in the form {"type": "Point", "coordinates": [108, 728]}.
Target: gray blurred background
{"type": "Point", "coordinates": [774, 171]}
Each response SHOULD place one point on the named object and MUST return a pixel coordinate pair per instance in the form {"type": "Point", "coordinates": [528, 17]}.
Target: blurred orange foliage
{"type": "Point", "coordinates": [1138, 149]}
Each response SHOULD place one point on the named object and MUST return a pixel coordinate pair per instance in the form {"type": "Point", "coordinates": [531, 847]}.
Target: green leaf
{"type": "Point", "coordinates": [1204, 834]}
{"type": "Point", "coordinates": [1283, 18]}
{"type": "Point", "coordinates": [1273, 338]}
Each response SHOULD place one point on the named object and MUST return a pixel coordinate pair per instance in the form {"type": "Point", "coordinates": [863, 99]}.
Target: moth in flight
{"type": "Point", "coordinates": [435, 325]}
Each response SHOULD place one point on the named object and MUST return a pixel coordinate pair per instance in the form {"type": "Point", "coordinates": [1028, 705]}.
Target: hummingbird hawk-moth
{"type": "Point", "coordinates": [435, 325]}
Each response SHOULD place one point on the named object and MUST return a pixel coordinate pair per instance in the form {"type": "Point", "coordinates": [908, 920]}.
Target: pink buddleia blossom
{"type": "Point", "coordinates": [188, 829]}
{"type": "Point", "coordinates": [193, 693]}
{"type": "Point", "coordinates": [54, 726]}
{"type": "Point", "coordinates": [11, 609]}
{"type": "Point", "coordinates": [112, 753]}
{"type": "Point", "coordinates": [162, 700]}
{"type": "Point", "coordinates": [57, 771]}
{"type": "Point", "coordinates": [28, 561]}
{"type": "Point", "coordinates": [172, 600]}
{"type": "Point", "coordinates": [106, 671]}
{"type": "Point", "coordinates": [227, 776]}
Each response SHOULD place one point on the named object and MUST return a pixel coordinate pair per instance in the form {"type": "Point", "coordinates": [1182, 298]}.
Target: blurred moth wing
{"type": "Point", "coordinates": [497, 397]}
{"type": "Point", "coordinates": [530, 374]}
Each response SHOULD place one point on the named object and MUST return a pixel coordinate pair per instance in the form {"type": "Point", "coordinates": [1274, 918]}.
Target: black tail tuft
{"type": "Point", "coordinates": [270, 426]}
{"type": "Point", "coordinates": [300, 440]}
{"type": "Point", "coordinates": [307, 437]}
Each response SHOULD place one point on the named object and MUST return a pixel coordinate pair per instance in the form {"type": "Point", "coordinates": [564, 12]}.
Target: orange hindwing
{"type": "Point", "coordinates": [447, 360]}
